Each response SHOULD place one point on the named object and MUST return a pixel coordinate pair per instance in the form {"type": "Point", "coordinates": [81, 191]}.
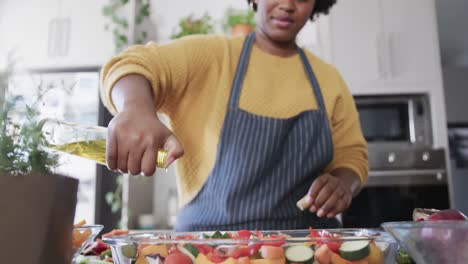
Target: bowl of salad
{"type": "Point", "coordinates": [432, 241]}
{"type": "Point", "coordinates": [333, 246]}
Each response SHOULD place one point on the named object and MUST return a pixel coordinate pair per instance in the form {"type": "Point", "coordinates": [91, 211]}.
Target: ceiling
{"type": "Point", "coordinates": [452, 18]}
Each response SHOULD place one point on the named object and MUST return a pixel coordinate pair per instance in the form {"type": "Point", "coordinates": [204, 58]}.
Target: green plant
{"type": "Point", "coordinates": [119, 24]}
{"type": "Point", "coordinates": [22, 142]}
{"type": "Point", "coordinates": [235, 17]}
{"type": "Point", "coordinates": [114, 199]}
{"type": "Point", "coordinates": [190, 25]}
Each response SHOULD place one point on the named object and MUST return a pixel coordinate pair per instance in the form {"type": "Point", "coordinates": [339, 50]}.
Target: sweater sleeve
{"type": "Point", "coordinates": [349, 145]}
{"type": "Point", "coordinates": [169, 67]}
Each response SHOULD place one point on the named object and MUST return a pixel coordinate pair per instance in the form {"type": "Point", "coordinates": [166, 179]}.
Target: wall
{"type": "Point", "coordinates": [452, 20]}
{"type": "Point", "coordinates": [456, 93]}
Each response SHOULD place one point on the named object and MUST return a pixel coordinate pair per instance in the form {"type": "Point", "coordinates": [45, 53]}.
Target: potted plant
{"type": "Point", "coordinates": [239, 22]}
{"type": "Point", "coordinates": [37, 205]}
{"type": "Point", "coordinates": [191, 25]}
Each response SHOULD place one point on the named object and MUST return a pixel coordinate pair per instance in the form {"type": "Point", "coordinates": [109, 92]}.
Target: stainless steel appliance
{"type": "Point", "coordinates": [398, 130]}
{"type": "Point", "coordinates": [406, 171]}
{"type": "Point", "coordinates": [458, 139]}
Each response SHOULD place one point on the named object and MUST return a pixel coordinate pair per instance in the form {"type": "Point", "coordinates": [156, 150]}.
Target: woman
{"type": "Point", "coordinates": [262, 123]}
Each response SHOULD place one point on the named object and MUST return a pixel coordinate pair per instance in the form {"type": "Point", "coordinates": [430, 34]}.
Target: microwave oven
{"type": "Point", "coordinates": [395, 120]}
{"type": "Point", "coordinates": [398, 131]}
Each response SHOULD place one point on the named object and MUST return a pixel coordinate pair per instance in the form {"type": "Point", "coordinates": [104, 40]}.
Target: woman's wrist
{"type": "Point", "coordinates": [133, 92]}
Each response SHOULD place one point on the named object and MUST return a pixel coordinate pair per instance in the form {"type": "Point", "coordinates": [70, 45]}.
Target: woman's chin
{"type": "Point", "coordinates": [282, 37]}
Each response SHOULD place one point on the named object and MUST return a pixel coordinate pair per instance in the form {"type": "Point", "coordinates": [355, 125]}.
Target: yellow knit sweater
{"type": "Point", "coordinates": [191, 80]}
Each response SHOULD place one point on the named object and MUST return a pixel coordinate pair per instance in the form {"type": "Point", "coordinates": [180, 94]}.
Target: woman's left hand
{"type": "Point", "coordinates": [331, 194]}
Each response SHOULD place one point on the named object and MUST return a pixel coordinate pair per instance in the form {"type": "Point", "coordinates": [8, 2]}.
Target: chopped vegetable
{"type": "Point", "coordinates": [129, 251]}
{"type": "Point", "coordinates": [323, 254]}
{"type": "Point", "coordinates": [116, 232]}
{"type": "Point", "coordinates": [106, 254]}
{"type": "Point", "coordinates": [354, 250]}
{"type": "Point", "coordinates": [299, 253]}
{"type": "Point", "coordinates": [271, 252]}
{"type": "Point", "coordinates": [178, 258]}
{"type": "Point", "coordinates": [375, 254]}
{"type": "Point", "coordinates": [189, 250]}
{"type": "Point", "coordinates": [404, 258]}
{"type": "Point", "coordinates": [80, 223]}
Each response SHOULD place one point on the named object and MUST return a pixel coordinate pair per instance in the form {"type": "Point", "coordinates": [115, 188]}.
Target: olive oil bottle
{"type": "Point", "coordinates": [85, 141]}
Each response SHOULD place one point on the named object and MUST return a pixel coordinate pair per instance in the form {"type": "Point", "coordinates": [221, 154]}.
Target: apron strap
{"type": "Point", "coordinates": [241, 70]}
{"type": "Point", "coordinates": [313, 80]}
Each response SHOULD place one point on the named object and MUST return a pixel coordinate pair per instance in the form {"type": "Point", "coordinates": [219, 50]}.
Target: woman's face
{"type": "Point", "coordinates": [281, 20]}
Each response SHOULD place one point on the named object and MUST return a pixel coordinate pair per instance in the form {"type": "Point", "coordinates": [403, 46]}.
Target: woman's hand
{"type": "Point", "coordinates": [331, 193]}
{"type": "Point", "coordinates": [134, 137]}
{"type": "Point", "coordinates": [135, 134]}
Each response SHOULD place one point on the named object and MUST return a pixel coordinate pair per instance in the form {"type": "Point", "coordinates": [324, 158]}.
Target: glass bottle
{"type": "Point", "coordinates": [85, 141]}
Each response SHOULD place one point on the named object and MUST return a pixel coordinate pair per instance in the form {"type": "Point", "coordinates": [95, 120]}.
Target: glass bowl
{"type": "Point", "coordinates": [266, 247]}
{"type": "Point", "coordinates": [432, 241]}
{"type": "Point", "coordinates": [83, 236]}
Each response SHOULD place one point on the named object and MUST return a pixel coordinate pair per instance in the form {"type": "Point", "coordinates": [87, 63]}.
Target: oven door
{"type": "Point", "coordinates": [406, 167]}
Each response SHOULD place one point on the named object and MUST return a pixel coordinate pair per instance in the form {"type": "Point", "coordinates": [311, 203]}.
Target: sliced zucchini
{"type": "Point", "coordinates": [219, 235]}
{"type": "Point", "coordinates": [354, 250]}
{"type": "Point", "coordinates": [299, 253]}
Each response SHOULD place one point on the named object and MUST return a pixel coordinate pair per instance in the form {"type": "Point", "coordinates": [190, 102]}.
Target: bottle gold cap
{"type": "Point", "coordinates": [161, 159]}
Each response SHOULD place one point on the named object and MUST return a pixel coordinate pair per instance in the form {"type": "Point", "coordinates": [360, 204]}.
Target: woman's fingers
{"type": "Point", "coordinates": [122, 160]}
{"type": "Point", "coordinates": [134, 160]}
{"type": "Point", "coordinates": [329, 205]}
{"type": "Point", "coordinates": [325, 193]}
{"type": "Point", "coordinates": [174, 149]}
{"type": "Point", "coordinates": [148, 161]}
{"type": "Point", "coordinates": [317, 185]}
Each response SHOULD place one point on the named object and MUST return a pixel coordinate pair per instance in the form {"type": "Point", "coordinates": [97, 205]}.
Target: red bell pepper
{"type": "Point", "coordinates": [332, 245]}
{"type": "Point", "coordinates": [258, 234]}
{"type": "Point", "coordinates": [244, 234]}
{"type": "Point", "coordinates": [204, 249]}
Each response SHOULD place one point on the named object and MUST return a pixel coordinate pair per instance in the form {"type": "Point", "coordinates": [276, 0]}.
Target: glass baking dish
{"type": "Point", "coordinates": [331, 246]}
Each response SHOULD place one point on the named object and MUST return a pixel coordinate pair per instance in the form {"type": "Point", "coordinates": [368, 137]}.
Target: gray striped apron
{"type": "Point", "coordinates": [263, 166]}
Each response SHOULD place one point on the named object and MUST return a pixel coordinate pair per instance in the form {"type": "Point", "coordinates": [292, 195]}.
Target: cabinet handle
{"type": "Point", "coordinates": [64, 34]}
{"type": "Point", "coordinates": [391, 54]}
{"type": "Point", "coordinates": [52, 38]}
{"type": "Point", "coordinates": [58, 40]}
{"type": "Point", "coordinates": [380, 49]}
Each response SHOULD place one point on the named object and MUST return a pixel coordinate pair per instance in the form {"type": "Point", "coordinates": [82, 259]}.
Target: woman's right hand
{"type": "Point", "coordinates": [133, 138]}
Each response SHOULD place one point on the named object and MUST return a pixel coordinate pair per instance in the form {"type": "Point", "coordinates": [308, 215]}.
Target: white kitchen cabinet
{"type": "Point", "coordinates": [355, 37]}
{"type": "Point", "coordinates": [411, 42]}
{"type": "Point", "coordinates": [50, 33]}
{"type": "Point", "coordinates": [383, 45]}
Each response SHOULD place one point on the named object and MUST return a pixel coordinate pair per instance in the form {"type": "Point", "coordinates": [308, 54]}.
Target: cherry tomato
{"type": "Point", "coordinates": [177, 258]}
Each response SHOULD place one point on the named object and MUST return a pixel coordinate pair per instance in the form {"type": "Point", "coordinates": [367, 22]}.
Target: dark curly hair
{"type": "Point", "coordinates": [321, 7]}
